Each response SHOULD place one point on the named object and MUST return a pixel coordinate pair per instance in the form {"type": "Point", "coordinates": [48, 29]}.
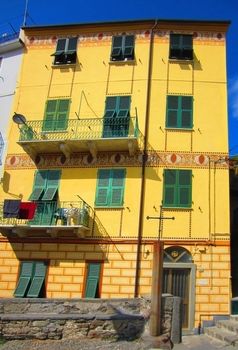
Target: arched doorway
{"type": "Point", "coordinates": [179, 280]}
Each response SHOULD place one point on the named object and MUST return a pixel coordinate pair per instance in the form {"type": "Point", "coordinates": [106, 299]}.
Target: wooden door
{"type": "Point", "coordinates": [176, 281]}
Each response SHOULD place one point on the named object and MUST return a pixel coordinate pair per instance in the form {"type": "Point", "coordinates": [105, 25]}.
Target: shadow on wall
{"type": "Point", "coordinates": [6, 186]}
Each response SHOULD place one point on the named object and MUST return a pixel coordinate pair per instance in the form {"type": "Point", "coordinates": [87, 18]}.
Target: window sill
{"type": "Point", "coordinates": [54, 132]}
{"type": "Point", "coordinates": [122, 62]}
{"type": "Point", "coordinates": [63, 65]}
{"type": "Point", "coordinates": [180, 129]}
{"type": "Point", "coordinates": [181, 60]}
{"type": "Point", "coordinates": [177, 208]}
{"type": "Point", "coordinates": [108, 208]}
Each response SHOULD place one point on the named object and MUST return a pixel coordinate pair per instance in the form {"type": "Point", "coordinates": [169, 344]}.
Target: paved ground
{"type": "Point", "coordinates": [193, 342]}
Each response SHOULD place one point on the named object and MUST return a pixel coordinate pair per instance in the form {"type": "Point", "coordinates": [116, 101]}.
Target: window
{"type": "Point", "coordinates": [110, 187]}
{"type": "Point", "coordinates": [179, 112]}
{"type": "Point", "coordinates": [66, 51]}
{"type": "Point", "coordinates": [31, 282]}
{"type": "Point", "coordinates": [117, 116]}
{"type": "Point", "coordinates": [1, 147]}
{"type": "Point", "coordinates": [92, 280]}
{"type": "Point", "coordinates": [56, 115]}
{"type": "Point", "coordinates": [181, 47]}
{"type": "Point", "coordinates": [177, 188]}
{"type": "Point", "coordinates": [45, 185]}
{"type": "Point", "coordinates": [122, 48]}
{"type": "Point", "coordinates": [45, 191]}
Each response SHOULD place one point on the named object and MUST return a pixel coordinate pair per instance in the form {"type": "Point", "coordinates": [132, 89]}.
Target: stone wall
{"type": "Point", "coordinates": [79, 318]}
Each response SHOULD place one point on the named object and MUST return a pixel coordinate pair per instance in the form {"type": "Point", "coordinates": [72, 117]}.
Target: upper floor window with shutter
{"type": "Point", "coordinates": [46, 183]}
{"type": "Point", "coordinates": [123, 48]}
{"type": "Point", "coordinates": [177, 188]}
{"type": "Point", "coordinates": [66, 51]}
{"type": "Point", "coordinates": [56, 115]}
{"type": "Point", "coordinates": [179, 113]}
{"type": "Point", "coordinates": [181, 47]}
{"type": "Point", "coordinates": [110, 187]}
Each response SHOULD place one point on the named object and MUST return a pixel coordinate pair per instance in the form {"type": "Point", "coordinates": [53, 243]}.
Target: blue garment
{"type": "Point", "coordinates": [11, 208]}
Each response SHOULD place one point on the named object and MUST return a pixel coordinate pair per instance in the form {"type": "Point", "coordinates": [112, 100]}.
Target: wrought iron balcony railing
{"type": "Point", "coordinates": [82, 129]}
{"type": "Point", "coordinates": [53, 213]}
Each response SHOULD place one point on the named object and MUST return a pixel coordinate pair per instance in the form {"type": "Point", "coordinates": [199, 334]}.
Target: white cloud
{"type": "Point", "coordinates": [233, 96]}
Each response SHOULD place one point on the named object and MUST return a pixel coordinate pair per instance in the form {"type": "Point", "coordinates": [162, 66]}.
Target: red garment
{"type": "Point", "coordinates": [27, 210]}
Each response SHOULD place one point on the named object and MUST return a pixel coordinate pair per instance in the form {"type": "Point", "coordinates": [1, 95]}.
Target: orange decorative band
{"type": "Point", "coordinates": [106, 37]}
{"type": "Point", "coordinates": [112, 159]}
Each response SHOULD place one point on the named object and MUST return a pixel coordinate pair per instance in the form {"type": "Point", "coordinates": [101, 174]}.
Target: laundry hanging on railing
{"type": "Point", "coordinates": [11, 208]}
{"type": "Point", "coordinates": [27, 210]}
{"type": "Point", "coordinates": [14, 208]}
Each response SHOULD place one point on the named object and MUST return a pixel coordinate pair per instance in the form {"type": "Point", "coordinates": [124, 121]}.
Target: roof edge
{"type": "Point", "coordinates": [225, 23]}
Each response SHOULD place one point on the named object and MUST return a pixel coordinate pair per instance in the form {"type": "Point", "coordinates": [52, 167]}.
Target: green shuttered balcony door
{"type": "Point", "coordinates": [44, 193]}
{"type": "Point", "coordinates": [117, 116]}
{"type": "Point", "coordinates": [56, 115]}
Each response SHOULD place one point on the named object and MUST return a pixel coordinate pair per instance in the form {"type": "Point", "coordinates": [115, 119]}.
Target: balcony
{"type": "Point", "coordinates": [10, 41]}
{"type": "Point", "coordinates": [51, 219]}
{"type": "Point", "coordinates": [5, 37]}
{"type": "Point", "coordinates": [80, 135]}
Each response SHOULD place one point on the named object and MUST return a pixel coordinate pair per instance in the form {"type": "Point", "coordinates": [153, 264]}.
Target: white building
{"type": "Point", "coordinates": [11, 49]}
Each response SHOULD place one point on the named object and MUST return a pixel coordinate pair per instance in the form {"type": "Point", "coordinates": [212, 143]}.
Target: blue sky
{"type": "Point", "coordinates": [74, 11]}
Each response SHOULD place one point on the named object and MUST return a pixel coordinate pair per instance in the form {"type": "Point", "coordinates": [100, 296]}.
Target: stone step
{"type": "Point", "coordinates": [222, 334]}
{"type": "Point", "coordinates": [234, 317]}
{"type": "Point", "coordinates": [230, 325]}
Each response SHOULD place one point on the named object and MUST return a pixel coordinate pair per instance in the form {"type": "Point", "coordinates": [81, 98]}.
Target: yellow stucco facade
{"type": "Point", "coordinates": [118, 236]}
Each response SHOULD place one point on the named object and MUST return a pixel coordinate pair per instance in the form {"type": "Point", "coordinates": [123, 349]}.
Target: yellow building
{"type": "Point", "coordinates": [115, 122]}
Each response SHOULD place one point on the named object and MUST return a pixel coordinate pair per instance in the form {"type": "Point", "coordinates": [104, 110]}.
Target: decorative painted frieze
{"type": "Point", "coordinates": [109, 159]}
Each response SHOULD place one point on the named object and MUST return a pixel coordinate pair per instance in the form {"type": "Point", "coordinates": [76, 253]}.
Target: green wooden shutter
{"type": "Point", "coordinates": [123, 109]}
{"type": "Point", "coordinates": [184, 188]}
{"type": "Point", "coordinates": [61, 122]}
{"type": "Point", "coordinates": [175, 46]}
{"type": "Point", "coordinates": [128, 49]}
{"type": "Point", "coordinates": [24, 279]}
{"type": "Point", "coordinates": [172, 112]}
{"type": "Point", "coordinates": [52, 184]}
{"type": "Point", "coordinates": [123, 116]}
{"type": "Point", "coordinates": [117, 187]}
{"type": "Point", "coordinates": [186, 111]}
{"type": "Point", "coordinates": [37, 281]}
{"type": "Point", "coordinates": [110, 113]}
{"type": "Point", "coordinates": [72, 45]}
{"type": "Point", "coordinates": [187, 42]}
{"type": "Point", "coordinates": [169, 197]}
{"type": "Point", "coordinates": [187, 47]}
{"type": "Point", "coordinates": [39, 185]}
{"type": "Point", "coordinates": [175, 41]}
{"type": "Point", "coordinates": [60, 47]}
{"type": "Point", "coordinates": [50, 116]}
{"type": "Point", "coordinates": [116, 53]}
{"type": "Point", "coordinates": [92, 280]}
{"type": "Point", "coordinates": [103, 183]}
{"type": "Point", "coordinates": [110, 107]}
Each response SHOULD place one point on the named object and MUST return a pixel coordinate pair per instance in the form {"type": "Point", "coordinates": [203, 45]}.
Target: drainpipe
{"type": "Point", "coordinates": [143, 167]}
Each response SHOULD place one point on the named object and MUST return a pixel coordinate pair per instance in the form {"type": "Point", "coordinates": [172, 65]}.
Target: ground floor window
{"type": "Point", "coordinates": [31, 282]}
